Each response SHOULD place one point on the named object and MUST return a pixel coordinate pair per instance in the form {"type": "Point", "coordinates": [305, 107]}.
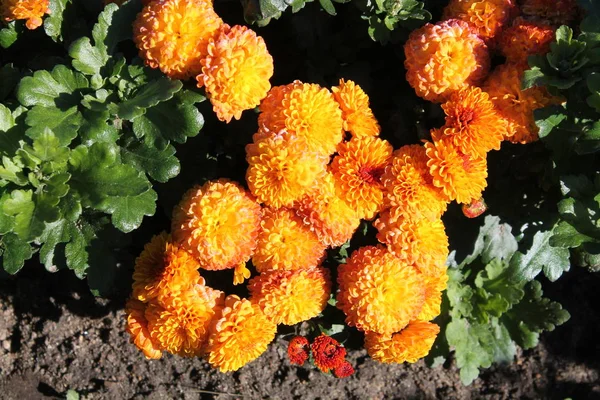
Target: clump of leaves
{"type": "Point", "coordinates": [261, 12]}
{"type": "Point", "coordinates": [385, 16]}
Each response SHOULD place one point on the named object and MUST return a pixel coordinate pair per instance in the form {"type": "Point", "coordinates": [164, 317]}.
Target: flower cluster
{"type": "Point", "coordinates": [30, 10]}
{"type": "Point", "coordinates": [328, 354]}
{"type": "Point", "coordinates": [186, 38]}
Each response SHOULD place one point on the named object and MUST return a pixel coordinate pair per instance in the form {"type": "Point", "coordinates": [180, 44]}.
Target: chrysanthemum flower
{"type": "Point", "coordinates": [281, 170]}
{"type": "Point", "coordinates": [525, 38]}
{"type": "Point", "coordinates": [443, 58]}
{"type": "Point", "coordinates": [327, 353]}
{"type": "Point", "coordinates": [241, 273]}
{"type": "Point", "coordinates": [163, 268]}
{"type": "Point", "coordinates": [354, 102]}
{"type": "Point", "coordinates": [516, 105]}
{"type": "Point", "coordinates": [240, 334]}
{"type": "Point", "coordinates": [173, 35]}
{"type": "Point", "coordinates": [285, 242]}
{"type": "Point", "coordinates": [137, 327]}
{"type": "Point", "coordinates": [343, 370]}
{"type": "Point", "coordinates": [472, 123]}
{"type": "Point", "coordinates": [379, 292]}
{"type": "Point", "coordinates": [31, 10]}
{"type": "Point", "coordinates": [306, 110]}
{"type": "Point", "coordinates": [408, 186]}
{"type": "Point", "coordinates": [289, 297]}
{"type": "Point", "coordinates": [328, 215]}
{"type": "Point", "coordinates": [434, 285]}
{"type": "Point", "coordinates": [218, 224]}
{"type": "Point", "coordinates": [556, 12]}
{"type": "Point", "coordinates": [488, 17]}
{"type": "Point", "coordinates": [410, 344]}
{"type": "Point", "coordinates": [236, 71]}
{"type": "Point", "coordinates": [461, 177]}
{"type": "Point", "coordinates": [418, 241]}
{"type": "Point", "coordinates": [298, 350]}
{"type": "Point", "coordinates": [474, 209]}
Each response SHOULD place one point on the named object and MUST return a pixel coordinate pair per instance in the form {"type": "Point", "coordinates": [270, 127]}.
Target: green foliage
{"type": "Point", "coordinates": [385, 16]}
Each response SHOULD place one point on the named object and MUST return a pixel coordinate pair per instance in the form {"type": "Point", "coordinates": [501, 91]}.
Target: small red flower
{"type": "Point", "coordinates": [475, 208]}
{"type": "Point", "coordinates": [343, 370]}
{"type": "Point", "coordinates": [298, 350]}
{"type": "Point", "coordinates": [328, 353]}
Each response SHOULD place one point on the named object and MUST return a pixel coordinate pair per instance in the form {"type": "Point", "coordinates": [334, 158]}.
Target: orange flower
{"type": "Point", "coordinates": [408, 186]}
{"type": "Point", "coordinates": [555, 12]}
{"type": "Point", "coordinates": [525, 38]}
{"type": "Point", "coordinates": [462, 178]}
{"type": "Point", "coordinates": [240, 334]}
{"type": "Point", "coordinates": [163, 268]}
{"type": "Point", "coordinates": [173, 35]}
{"type": "Point", "coordinates": [434, 285]}
{"type": "Point", "coordinates": [411, 344]}
{"type": "Point", "coordinates": [378, 292]}
{"type": "Point", "coordinates": [472, 123]}
{"type": "Point", "coordinates": [236, 71]}
{"type": "Point", "coordinates": [31, 10]}
{"type": "Point", "coordinates": [289, 297]}
{"type": "Point", "coordinates": [354, 102]}
{"type": "Point", "coordinates": [281, 170]}
{"type": "Point", "coordinates": [218, 224]}
{"type": "Point", "coordinates": [298, 350]}
{"type": "Point", "coordinates": [443, 58]}
{"type": "Point", "coordinates": [516, 105]}
{"type": "Point", "coordinates": [343, 370]}
{"type": "Point", "coordinates": [137, 327]}
{"type": "Point", "coordinates": [327, 352]}
{"type": "Point", "coordinates": [488, 17]}
{"type": "Point", "coordinates": [305, 110]}
{"type": "Point", "coordinates": [285, 242]}
{"type": "Point", "coordinates": [474, 209]}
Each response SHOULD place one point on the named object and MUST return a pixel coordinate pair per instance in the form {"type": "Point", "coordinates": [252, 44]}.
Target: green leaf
{"type": "Point", "coordinates": [459, 295]}
{"type": "Point", "coordinates": [128, 211]}
{"type": "Point", "coordinates": [64, 124]}
{"type": "Point", "coordinates": [6, 221]}
{"type": "Point", "coordinates": [328, 7]}
{"type": "Point", "coordinates": [11, 170]}
{"type": "Point", "coordinates": [532, 77]}
{"type": "Point", "coordinates": [87, 59]}
{"type": "Point", "coordinates": [158, 91]}
{"type": "Point", "coordinates": [160, 165]}
{"type": "Point", "coordinates": [495, 240]}
{"type": "Point", "coordinates": [473, 347]}
{"type": "Point", "coordinates": [47, 151]}
{"type": "Point", "coordinates": [504, 347]}
{"type": "Point", "coordinates": [28, 223]}
{"type": "Point", "coordinates": [496, 280]}
{"type": "Point", "coordinates": [72, 395]}
{"type": "Point", "coordinates": [97, 128]}
{"type": "Point", "coordinates": [16, 252]}
{"type": "Point", "coordinates": [54, 21]}
{"type": "Point", "coordinates": [114, 25]}
{"type": "Point", "coordinates": [9, 76]}
{"type": "Point", "coordinates": [10, 34]}
{"type": "Point", "coordinates": [540, 257]}
{"type": "Point", "coordinates": [55, 88]}
{"type": "Point", "coordinates": [549, 118]}
{"type": "Point", "coordinates": [565, 235]}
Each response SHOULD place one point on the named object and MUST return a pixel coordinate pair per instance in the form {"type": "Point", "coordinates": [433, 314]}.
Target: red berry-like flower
{"type": "Point", "coordinates": [298, 350]}
{"type": "Point", "coordinates": [343, 370]}
{"type": "Point", "coordinates": [475, 208]}
{"type": "Point", "coordinates": [328, 353]}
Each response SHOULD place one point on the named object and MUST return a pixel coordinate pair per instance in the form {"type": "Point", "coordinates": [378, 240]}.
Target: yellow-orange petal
{"type": "Point", "coordinates": [30, 10]}
{"type": "Point", "coordinates": [358, 116]}
{"type": "Point", "coordinates": [409, 345]}
{"type": "Point", "coordinates": [137, 327]}
{"type": "Point", "coordinates": [488, 17]}
{"type": "Point", "coordinates": [435, 283]}
{"type": "Point", "coordinates": [524, 38]}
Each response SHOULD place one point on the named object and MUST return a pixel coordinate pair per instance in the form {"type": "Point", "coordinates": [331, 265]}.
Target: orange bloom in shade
{"type": "Point", "coordinates": [173, 35]}
{"type": "Point", "coordinates": [434, 285]}
{"type": "Point", "coordinates": [525, 38]}
{"type": "Point", "coordinates": [408, 186]}
{"type": "Point", "coordinates": [462, 178]}
{"type": "Point", "coordinates": [31, 10]}
{"type": "Point", "coordinates": [298, 350]}
{"type": "Point", "coordinates": [410, 344]}
{"type": "Point", "coordinates": [285, 242]}
{"type": "Point", "coordinates": [137, 327]}
{"type": "Point", "coordinates": [556, 12]}
{"type": "Point", "coordinates": [217, 223]}
{"type": "Point", "coordinates": [443, 58]}
{"type": "Point", "coordinates": [357, 170]}
{"type": "Point", "coordinates": [281, 169]}
{"type": "Point", "coordinates": [236, 71]}
{"type": "Point", "coordinates": [354, 102]}
{"type": "Point", "coordinates": [488, 17]}
{"type": "Point", "coordinates": [379, 292]}
{"type": "Point", "coordinates": [240, 334]}
{"type": "Point", "coordinates": [327, 353]}
{"type": "Point", "coordinates": [305, 110]}
{"type": "Point", "coordinates": [343, 370]}
{"type": "Point", "coordinates": [289, 297]}
{"type": "Point", "coordinates": [414, 241]}
{"type": "Point", "coordinates": [163, 268]}
{"type": "Point", "coordinates": [328, 215]}
{"type": "Point", "coordinates": [516, 105]}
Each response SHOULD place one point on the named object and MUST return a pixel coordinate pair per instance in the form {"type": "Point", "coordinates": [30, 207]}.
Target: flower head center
{"type": "Point", "coordinates": [370, 174]}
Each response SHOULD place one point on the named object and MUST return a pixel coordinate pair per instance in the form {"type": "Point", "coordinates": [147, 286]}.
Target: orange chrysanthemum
{"type": "Point", "coordinates": [556, 12]}
{"type": "Point", "coordinates": [461, 177]}
{"type": "Point", "coordinates": [357, 171]}
{"type": "Point", "coordinates": [378, 292]}
{"type": "Point", "coordinates": [328, 215]}
{"type": "Point", "coordinates": [236, 71]}
{"type": "Point", "coordinates": [173, 35]}
{"type": "Point", "coordinates": [327, 353]}
{"type": "Point", "coordinates": [525, 38]}
{"type": "Point", "coordinates": [488, 17]}
{"type": "Point", "coordinates": [298, 350]}
{"type": "Point", "coordinates": [474, 209]}
{"type": "Point", "coordinates": [163, 268]}
{"type": "Point", "coordinates": [241, 334]}
{"type": "Point", "coordinates": [354, 102]}
{"type": "Point", "coordinates": [435, 283]}
{"type": "Point", "coordinates": [289, 297]}
{"type": "Point", "coordinates": [218, 224]}
{"type": "Point", "coordinates": [305, 110]}
{"type": "Point", "coordinates": [343, 370]}
{"type": "Point", "coordinates": [411, 344]}
{"type": "Point", "coordinates": [137, 327]}
{"type": "Point", "coordinates": [408, 186]}
{"type": "Point", "coordinates": [443, 58]}
{"type": "Point", "coordinates": [472, 123]}
{"type": "Point", "coordinates": [281, 170]}
{"type": "Point", "coordinates": [285, 242]}
{"type": "Point", "coordinates": [414, 241]}
{"type": "Point", "coordinates": [31, 10]}
{"type": "Point", "coordinates": [516, 105]}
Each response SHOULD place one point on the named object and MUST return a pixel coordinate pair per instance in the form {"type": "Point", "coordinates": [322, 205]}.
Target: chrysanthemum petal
{"type": "Point", "coordinates": [358, 116]}
{"type": "Point", "coordinates": [408, 345]}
